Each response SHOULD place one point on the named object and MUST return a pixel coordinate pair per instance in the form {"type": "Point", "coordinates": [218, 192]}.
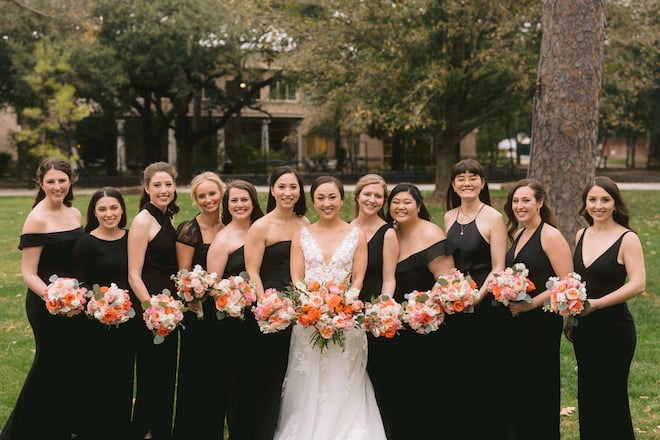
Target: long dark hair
{"type": "Point", "coordinates": [621, 213]}
{"type": "Point", "coordinates": [416, 195]}
{"type": "Point", "coordinates": [452, 200]}
{"type": "Point", "coordinates": [106, 191]}
{"type": "Point", "coordinates": [148, 174]}
{"type": "Point", "coordinates": [547, 216]}
{"type": "Point", "coordinates": [251, 190]}
{"type": "Point", "coordinates": [300, 208]}
{"type": "Point", "coordinates": [54, 163]}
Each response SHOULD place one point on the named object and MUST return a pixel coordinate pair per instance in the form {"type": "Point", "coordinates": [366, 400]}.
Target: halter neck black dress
{"type": "Point", "coordinates": [604, 343]}
{"type": "Point", "coordinates": [534, 338]}
{"type": "Point", "coordinates": [471, 342]}
{"type": "Point", "coordinates": [43, 407]}
{"type": "Point", "coordinates": [156, 364]}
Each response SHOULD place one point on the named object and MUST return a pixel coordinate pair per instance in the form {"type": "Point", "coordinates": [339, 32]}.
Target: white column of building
{"type": "Point", "coordinates": [265, 141]}
{"type": "Point", "coordinates": [299, 142]}
{"type": "Point", "coordinates": [171, 147]}
{"type": "Point", "coordinates": [121, 147]}
{"type": "Point", "coordinates": [221, 147]}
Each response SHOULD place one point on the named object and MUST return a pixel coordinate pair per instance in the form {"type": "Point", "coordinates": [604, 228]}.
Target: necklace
{"type": "Point", "coordinates": [464, 226]}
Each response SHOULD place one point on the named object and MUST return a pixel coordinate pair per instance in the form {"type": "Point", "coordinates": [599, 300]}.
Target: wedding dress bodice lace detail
{"type": "Point", "coordinates": [340, 264]}
{"type": "Point", "coordinates": [328, 395]}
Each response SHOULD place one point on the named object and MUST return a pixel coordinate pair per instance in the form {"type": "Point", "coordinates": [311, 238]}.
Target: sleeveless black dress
{"type": "Point", "coordinates": [604, 343]}
{"type": "Point", "coordinates": [43, 409]}
{"type": "Point", "coordinates": [110, 351]}
{"type": "Point", "coordinates": [156, 364]}
{"type": "Point", "coordinates": [534, 338]}
{"type": "Point", "coordinates": [271, 350]}
{"type": "Point", "coordinates": [411, 352]}
{"type": "Point", "coordinates": [199, 358]}
{"type": "Point", "coordinates": [471, 343]}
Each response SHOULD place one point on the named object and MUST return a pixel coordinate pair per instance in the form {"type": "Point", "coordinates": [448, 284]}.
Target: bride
{"type": "Point", "coordinates": [328, 395]}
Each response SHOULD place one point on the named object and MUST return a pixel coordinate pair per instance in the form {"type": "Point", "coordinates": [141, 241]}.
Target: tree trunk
{"type": "Point", "coordinates": [565, 120]}
{"type": "Point", "coordinates": [446, 145]}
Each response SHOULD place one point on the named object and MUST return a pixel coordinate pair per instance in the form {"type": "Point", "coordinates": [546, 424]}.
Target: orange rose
{"type": "Point", "coordinates": [163, 331]}
{"type": "Point", "coordinates": [459, 306]}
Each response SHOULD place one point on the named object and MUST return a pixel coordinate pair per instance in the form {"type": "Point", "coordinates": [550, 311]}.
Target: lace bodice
{"type": "Point", "coordinates": [339, 266]}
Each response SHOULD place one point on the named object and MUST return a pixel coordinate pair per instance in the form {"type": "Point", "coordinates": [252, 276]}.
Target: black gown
{"type": "Point", "coordinates": [270, 351]}
{"type": "Point", "coordinates": [199, 359]}
{"type": "Point", "coordinates": [45, 410]}
{"type": "Point", "coordinates": [414, 399]}
{"type": "Point", "coordinates": [156, 364]}
{"type": "Point", "coordinates": [533, 340]}
{"type": "Point", "coordinates": [604, 343]}
{"type": "Point", "coordinates": [471, 344]}
{"type": "Point", "coordinates": [110, 352]}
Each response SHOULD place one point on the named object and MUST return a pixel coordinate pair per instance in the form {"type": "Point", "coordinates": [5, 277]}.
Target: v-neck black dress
{"type": "Point", "coordinates": [44, 405]}
{"type": "Point", "coordinates": [534, 338]}
{"type": "Point", "coordinates": [604, 344]}
{"type": "Point", "coordinates": [156, 364]}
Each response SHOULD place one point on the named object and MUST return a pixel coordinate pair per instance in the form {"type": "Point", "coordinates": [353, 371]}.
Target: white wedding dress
{"type": "Point", "coordinates": [328, 395]}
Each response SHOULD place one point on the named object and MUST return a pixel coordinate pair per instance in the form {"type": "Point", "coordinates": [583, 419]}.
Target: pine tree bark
{"type": "Point", "coordinates": [566, 103]}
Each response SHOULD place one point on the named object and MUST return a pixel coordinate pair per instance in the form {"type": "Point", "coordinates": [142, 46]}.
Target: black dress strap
{"type": "Point", "coordinates": [160, 216]}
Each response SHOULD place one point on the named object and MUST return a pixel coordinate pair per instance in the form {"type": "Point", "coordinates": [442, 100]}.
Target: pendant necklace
{"type": "Point", "coordinates": [464, 226]}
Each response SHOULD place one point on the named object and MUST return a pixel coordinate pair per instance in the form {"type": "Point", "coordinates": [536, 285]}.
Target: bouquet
{"type": "Point", "coordinates": [422, 312]}
{"type": "Point", "coordinates": [456, 293]}
{"type": "Point", "coordinates": [382, 316]}
{"type": "Point", "coordinates": [329, 308]}
{"type": "Point", "coordinates": [273, 311]}
{"type": "Point", "coordinates": [568, 295]}
{"type": "Point", "coordinates": [195, 285]}
{"type": "Point", "coordinates": [232, 295]}
{"type": "Point", "coordinates": [162, 314]}
{"type": "Point", "coordinates": [64, 296]}
{"type": "Point", "coordinates": [511, 284]}
{"type": "Point", "coordinates": [110, 305]}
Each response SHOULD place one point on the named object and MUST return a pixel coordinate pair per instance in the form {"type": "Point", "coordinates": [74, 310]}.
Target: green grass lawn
{"type": "Point", "coordinates": [17, 346]}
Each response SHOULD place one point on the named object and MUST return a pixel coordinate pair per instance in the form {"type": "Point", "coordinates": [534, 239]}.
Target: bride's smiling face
{"type": "Point", "coordinates": [327, 200]}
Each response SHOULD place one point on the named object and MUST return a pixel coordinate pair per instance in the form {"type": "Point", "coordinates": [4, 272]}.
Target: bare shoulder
{"type": "Point", "coordinates": [631, 240]}
{"type": "Point", "coordinates": [492, 214]}
{"type": "Point", "coordinates": [35, 222]}
{"type": "Point", "coordinates": [432, 232]}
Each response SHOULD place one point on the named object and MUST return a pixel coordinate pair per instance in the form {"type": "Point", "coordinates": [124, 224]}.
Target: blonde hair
{"type": "Point", "coordinates": [203, 177]}
{"type": "Point", "coordinates": [369, 179]}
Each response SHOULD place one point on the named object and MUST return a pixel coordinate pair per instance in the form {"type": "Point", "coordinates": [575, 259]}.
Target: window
{"type": "Point", "coordinates": [282, 91]}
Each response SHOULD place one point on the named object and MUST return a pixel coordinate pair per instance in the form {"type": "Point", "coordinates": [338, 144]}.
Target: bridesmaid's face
{"type": "Point", "coordinates": [161, 190]}
{"type": "Point", "coordinates": [467, 185]}
{"type": "Point", "coordinates": [239, 204]}
{"type": "Point", "coordinates": [108, 212]}
{"type": "Point", "coordinates": [56, 185]}
{"type": "Point", "coordinates": [371, 199]}
{"type": "Point", "coordinates": [327, 200]}
{"type": "Point", "coordinates": [403, 207]}
{"type": "Point", "coordinates": [286, 191]}
{"type": "Point", "coordinates": [208, 196]}
{"type": "Point", "coordinates": [524, 205]}
{"type": "Point", "coordinates": [599, 204]}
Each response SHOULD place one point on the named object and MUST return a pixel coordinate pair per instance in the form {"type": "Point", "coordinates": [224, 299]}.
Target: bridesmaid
{"type": "Point", "coordinates": [477, 234]}
{"type": "Point", "coordinates": [234, 398]}
{"type": "Point", "coordinates": [51, 229]}
{"type": "Point", "coordinates": [610, 259]}
{"type": "Point", "coordinates": [424, 255]}
{"type": "Point", "coordinates": [151, 263]}
{"type": "Point", "coordinates": [534, 335]}
{"type": "Point", "coordinates": [267, 249]}
{"type": "Point", "coordinates": [194, 417]}
{"type": "Point", "coordinates": [383, 251]}
{"type": "Point", "coordinates": [101, 257]}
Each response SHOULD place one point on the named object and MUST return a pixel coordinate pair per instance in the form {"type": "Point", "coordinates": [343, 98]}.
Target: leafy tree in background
{"type": "Point", "coordinates": [419, 66]}
{"type": "Point", "coordinates": [47, 129]}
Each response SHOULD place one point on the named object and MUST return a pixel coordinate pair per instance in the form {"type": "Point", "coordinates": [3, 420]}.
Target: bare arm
{"type": "Point", "coordinates": [255, 246]}
{"type": "Point", "coordinates": [29, 267]}
{"type": "Point", "coordinates": [138, 239]}
{"type": "Point", "coordinates": [360, 259]}
{"type": "Point", "coordinates": [498, 245]}
{"type": "Point", "coordinates": [216, 259]}
{"type": "Point", "coordinates": [297, 259]}
{"type": "Point", "coordinates": [390, 258]}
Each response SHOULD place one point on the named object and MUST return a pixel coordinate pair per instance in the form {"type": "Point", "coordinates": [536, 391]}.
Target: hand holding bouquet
{"type": "Point", "coordinates": [382, 316]}
{"type": "Point", "coordinates": [162, 314]}
{"type": "Point", "coordinates": [568, 295]}
{"type": "Point", "coordinates": [457, 293]}
{"type": "Point", "coordinates": [274, 311]}
{"type": "Point", "coordinates": [194, 285]}
{"type": "Point", "coordinates": [422, 312]}
{"type": "Point", "coordinates": [329, 308]}
{"type": "Point", "coordinates": [511, 284]}
{"type": "Point", "coordinates": [110, 305]}
{"type": "Point", "coordinates": [64, 296]}
{"type": "Point", "coordinates": [232, 295]}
